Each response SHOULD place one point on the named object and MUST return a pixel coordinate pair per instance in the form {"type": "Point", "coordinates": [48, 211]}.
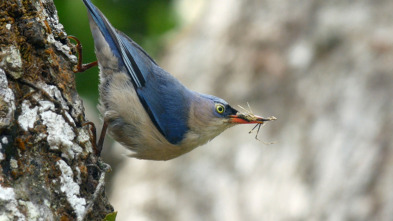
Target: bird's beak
{"type": "Point", "coordinates": [241, 118]}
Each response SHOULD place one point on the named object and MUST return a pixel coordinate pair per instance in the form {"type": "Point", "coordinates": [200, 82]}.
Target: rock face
{"type": "Point", "coordinates": [325, 70]}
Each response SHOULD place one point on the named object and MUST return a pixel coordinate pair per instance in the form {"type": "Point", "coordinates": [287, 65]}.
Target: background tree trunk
{"type": "Point", "coordinates": [48, 169]}
{"type": "Point", "coordinates": [325, 69]}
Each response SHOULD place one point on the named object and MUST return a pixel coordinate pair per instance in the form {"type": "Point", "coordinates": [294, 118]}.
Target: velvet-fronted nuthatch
{"type": "Point", "coordinates": [145, 108]}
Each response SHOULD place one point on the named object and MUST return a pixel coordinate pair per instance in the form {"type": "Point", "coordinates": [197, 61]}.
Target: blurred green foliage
{"type": "Point", "coordinates": [110, 217]}
{"type": "Point", "coordinates": [143, 20]}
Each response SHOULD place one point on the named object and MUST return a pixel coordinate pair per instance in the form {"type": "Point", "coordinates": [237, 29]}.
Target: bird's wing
{"type": "Point", "coordinates": [164, 98]}
{"type": "Point", "coordinates": [118, 44]}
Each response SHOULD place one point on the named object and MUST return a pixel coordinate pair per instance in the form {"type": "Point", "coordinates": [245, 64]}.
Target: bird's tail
{"type": "Point", "coordinates": [103, 25]}
{"type": "Point", "coordinates": [137, 62]}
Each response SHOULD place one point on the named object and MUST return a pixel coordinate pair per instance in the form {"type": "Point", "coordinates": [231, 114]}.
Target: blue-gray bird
{"type": "Point", "coordinates": [145, 108]}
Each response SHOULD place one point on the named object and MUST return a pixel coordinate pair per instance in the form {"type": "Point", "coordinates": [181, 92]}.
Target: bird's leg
{"type": "Point", "coordinates": [102, 137]}
{"type": "Point", "coordinates": [80, 67]}
{"type": "Point", "coordinates": [93, 132]}
{"type": "Point", "coordinates": [97, 146]}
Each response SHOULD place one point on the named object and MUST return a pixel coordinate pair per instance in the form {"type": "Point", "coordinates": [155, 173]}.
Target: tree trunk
{"type": "Point", "coordinates": [48, 168]}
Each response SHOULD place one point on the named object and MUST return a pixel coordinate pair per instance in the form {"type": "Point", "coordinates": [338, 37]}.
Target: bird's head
{"type": "Point", "coordinates": [210, 115]}
{"type": "Point", "coordinates": [223, 112]}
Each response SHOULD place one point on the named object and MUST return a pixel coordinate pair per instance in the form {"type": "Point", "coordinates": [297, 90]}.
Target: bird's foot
{"type": "Point", "coordinates": [93, 136]}
{"type": "Point", "coordinates": [80, 67]}
{"type": "Point", "coordinates": [97, 146]}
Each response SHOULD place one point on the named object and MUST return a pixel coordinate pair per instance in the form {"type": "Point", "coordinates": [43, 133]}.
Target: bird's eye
{"type": "Point", "coordinates": [220, 108]}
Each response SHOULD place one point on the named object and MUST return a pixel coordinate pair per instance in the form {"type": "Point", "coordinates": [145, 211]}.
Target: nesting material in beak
{"type": "Point", "coordinates": [250, 118]}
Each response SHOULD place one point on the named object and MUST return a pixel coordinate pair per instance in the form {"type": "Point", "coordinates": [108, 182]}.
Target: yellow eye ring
{"type": "Point", "coordinates": [220, 108]}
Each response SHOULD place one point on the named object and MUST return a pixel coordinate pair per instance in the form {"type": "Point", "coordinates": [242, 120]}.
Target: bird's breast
{"type": "Point", "coordinates": [130, 124]}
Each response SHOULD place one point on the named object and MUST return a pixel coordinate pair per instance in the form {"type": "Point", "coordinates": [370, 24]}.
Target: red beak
{"type": "Point", "coordinates": [240, 118]}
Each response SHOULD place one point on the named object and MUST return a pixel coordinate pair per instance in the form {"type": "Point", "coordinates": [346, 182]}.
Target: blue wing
{"type": "Point", "coordinates": [116, 43]}
{"type": "Point", "coordinates": [164, 98]}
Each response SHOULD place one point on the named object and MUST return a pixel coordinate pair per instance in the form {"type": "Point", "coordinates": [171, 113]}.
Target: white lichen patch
{"type": "Point", "coordinates": [74, 151]}
{"type": "Point", "coordinates": [60, 134]}
{"type": "Point", "coordinates": [84, 138]}
{"type": "Point", "coordinates": [14, 59]}
{"type": "Point", "coordinates": [7, 101]}
{"type": "Point", "coordinates": [9, 205]}
{"type": "Point", "coordinates": [62, 48]}
{"type": "Point", "coordinates": [13, 163]}
{"type": "Point", "coordinates": [55, 93]}
{"type": "Point", "coordinates": [71, 189]}
{"type": "Point", "coordinates": [11, 60]}
{"type": "Point", "coordinates": [28, 116]}
{"type": "Point", "coordinates": [78, 175]}
{"type": "Point", "coordinates": [70, 119]}
{"type": "Point", "coordinates": [77, 108]}
{"type": "Point", "coordinates": [4, 140]}
{"type": "Point", "coordinates": [6, 194]}
{"type": "Point", "coordinates": [45, 106]}
{"type": "Point", "coordinates": [32, 211]}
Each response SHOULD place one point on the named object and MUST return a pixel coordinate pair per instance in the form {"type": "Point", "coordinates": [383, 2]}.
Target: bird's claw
{"type": "Point", "coordinates": [97, 146]}
{"type": "Point", "coordinates": [93, 132]}
{"type": "Point", "coordinates": [80, 67]}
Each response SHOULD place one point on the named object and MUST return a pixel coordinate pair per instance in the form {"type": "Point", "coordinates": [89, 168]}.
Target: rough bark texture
{"type": "Point", "coordinates": [48, 169]}
{"type": "Point", "coordinates": [325, 69]}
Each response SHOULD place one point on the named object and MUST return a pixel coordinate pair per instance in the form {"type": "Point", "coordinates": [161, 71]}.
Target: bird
{"type": "Point", "coordinates": [144, 107]}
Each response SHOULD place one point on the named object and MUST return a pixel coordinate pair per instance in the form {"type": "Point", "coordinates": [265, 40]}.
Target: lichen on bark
{"type": "Point", "coordinates": [48, 168]}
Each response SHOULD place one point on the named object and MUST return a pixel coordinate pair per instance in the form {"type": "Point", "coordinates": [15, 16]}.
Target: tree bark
{"type": "Point", "coordinates": [48, 168]}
